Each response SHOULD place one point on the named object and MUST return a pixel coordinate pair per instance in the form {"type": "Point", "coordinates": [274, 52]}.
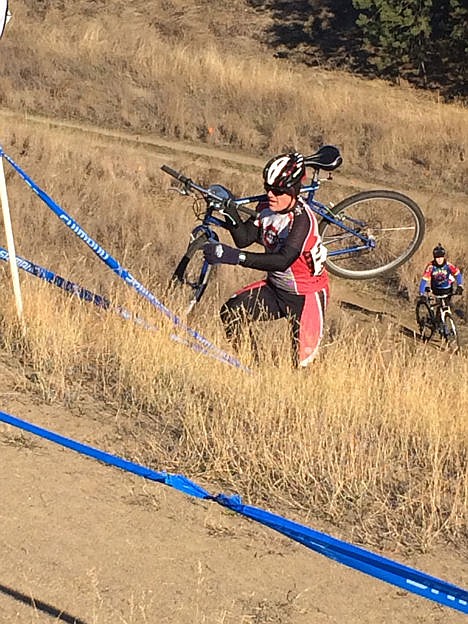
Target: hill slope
{"type": "Point", "coordinates": [118, 90]}
{"type": "Point", "coordinates": [85, 543]}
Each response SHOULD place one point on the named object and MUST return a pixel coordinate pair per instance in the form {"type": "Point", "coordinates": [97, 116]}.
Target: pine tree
{"type": "Point", "coordinates": [396, 33]}
{"type": "Point", "coordinates": [450, 30]}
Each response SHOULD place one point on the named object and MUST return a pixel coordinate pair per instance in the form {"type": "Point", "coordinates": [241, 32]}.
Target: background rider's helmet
{"type": "Point", "coordinates": [438, 252]}
{"type": "Point", "coordinates": [283, 173]}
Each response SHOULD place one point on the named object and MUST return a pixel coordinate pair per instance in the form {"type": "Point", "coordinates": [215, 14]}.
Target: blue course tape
{"type": "Point", "coordinates": [113, 264]}
{"type": "Point", "coordinates": [56, 280]}
{"type": "Point", "coordinates": [407, 578]}
{"type": "Point", "coordinates": [100, 301]}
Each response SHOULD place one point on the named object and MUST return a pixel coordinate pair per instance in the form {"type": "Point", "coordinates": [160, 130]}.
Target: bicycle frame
{"type": "Point", "coordinates": [440, 307]}
{"type": "Point", "coordinates": [320, 209]}
{"type": "Point", "coordinates": [346, 237]}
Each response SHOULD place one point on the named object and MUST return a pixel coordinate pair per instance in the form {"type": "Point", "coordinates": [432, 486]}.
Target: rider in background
{"type": "Point", "coordinates": [441, 276]}
{"type": "Point", "coordinates": [296, 284]}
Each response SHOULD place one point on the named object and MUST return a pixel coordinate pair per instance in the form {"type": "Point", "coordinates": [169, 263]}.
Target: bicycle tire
{"type": "Point", "coordinates": [193, 272]}
{"type": "Point", "coordinates": [393, 220]}
{"type": "Point", "coordinates": [425, 320]}
{"type": "Point", "coordinates": [450, 332]}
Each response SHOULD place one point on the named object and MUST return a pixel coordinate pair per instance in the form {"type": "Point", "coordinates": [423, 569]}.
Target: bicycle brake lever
{"type": "Point", "coordinates": [180, 190]}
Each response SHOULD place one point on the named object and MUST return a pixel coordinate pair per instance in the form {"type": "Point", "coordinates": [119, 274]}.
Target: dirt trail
{"type": "Point", "coordinates": [147, 141]}
{"type": "Point", "coordinates": [98, 545]}
{"type": "Point", "coordinates": [85, 543]}
{"type": "Point", "coordinates": [158, 145]}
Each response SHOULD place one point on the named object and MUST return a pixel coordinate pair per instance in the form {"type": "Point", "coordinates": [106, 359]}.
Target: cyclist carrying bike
{"type": "Point", "coordinates": [441, 276]}
{"type": "Point", "coordinates": [296, 285]}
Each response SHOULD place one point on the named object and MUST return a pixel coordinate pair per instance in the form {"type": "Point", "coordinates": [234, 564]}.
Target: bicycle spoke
{"type": "Point", "coordinates": [388, 247]}
{"type": "Point", "coordinates": [387, 229]}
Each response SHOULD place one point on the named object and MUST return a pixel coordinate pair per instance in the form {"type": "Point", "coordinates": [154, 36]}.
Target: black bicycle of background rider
{"type": "Point", "coordinates": [434, 316]}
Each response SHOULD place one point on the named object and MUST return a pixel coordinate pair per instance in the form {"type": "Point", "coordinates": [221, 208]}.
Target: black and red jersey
{"type": "Point", "coordinates": [296, 229]}
{"type": "Point", "coordinates": [295, 256]}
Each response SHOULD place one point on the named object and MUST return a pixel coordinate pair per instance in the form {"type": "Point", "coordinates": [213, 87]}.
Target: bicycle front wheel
{"type": "Point", "coordinates": [193, 273]}
{"type": "Point", "coordinates": [450, 332]}
{"type": "Point", "coordinates": [376, 232]}
{"type": "Point", "coordinates": [425, 320]}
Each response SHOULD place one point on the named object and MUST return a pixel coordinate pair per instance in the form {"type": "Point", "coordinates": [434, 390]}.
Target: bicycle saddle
{"type": "Point", "coordinates": [328, 157]}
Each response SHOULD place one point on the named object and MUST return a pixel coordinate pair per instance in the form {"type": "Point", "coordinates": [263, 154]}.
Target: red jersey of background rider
{"type": "Point", "coordinates": [299, 228]}
{"type": "Point", "coordinates": [440, 277]}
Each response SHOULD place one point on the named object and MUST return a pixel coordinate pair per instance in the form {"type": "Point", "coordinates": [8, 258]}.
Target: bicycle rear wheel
{"type": "Point", "coordinates": [193, 272]}
{"type": "Point", "coordinates": [450, 332]}
{"type": "Point", "coordinates": [392, 221]}
{"type": "Point", "coordinates": [425, 319]}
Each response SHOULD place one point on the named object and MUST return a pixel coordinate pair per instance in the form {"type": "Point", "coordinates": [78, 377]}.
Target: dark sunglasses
{"type": "Point", "coordinates": [276, 191]}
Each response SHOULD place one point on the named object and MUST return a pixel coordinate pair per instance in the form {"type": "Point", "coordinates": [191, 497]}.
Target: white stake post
{"type": "Point", "coordinates": [5, 15]}
{"type": "Point", "coordinates": [10, 241]}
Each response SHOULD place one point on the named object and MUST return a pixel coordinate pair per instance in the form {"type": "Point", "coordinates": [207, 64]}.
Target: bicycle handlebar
{"type": "Point", "coordinates": [432, 295]}
{"type": "Point", "coordinates": [438, 301]}
{"type": "Point", "coordinates": [191, 185]}
{"type": "Point", "coordinates": [176, 174]}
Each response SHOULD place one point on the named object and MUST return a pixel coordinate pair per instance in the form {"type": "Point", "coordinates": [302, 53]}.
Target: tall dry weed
{"type": "Point", "coordinates": [125, 67]}
{"type": "Point", "coordinates": [373, 435]}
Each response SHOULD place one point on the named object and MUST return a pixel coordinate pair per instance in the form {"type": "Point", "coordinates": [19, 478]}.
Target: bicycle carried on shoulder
{"type": "Point", "coordinates": [434, 316]}
{"type": "Point", "coordinates": [366, 234]}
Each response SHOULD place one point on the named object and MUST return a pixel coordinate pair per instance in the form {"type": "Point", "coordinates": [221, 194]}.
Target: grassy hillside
{"type": "Point", "coordinates": [374, 433]}
{"type": "Point", "coordinates": [178, 68]}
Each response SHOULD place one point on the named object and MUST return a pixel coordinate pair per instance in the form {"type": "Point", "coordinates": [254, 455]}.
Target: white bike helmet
{"type": "Point", "coordinates": [283, 173]}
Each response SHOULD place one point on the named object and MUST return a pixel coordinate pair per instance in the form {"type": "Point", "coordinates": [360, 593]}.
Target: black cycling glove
{"type": "Point", "coordinates": [218, 253]}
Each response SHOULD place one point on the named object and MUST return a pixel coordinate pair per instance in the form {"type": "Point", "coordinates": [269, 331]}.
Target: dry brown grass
{"type": "Point", "coordinates": [129, 68]}
{"type": "Point", "coordinates": [374, 435]}
{"type": "Point", "coordinates": [117, 192]}
{"type": "Point", "coordinates": [376, 432]}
